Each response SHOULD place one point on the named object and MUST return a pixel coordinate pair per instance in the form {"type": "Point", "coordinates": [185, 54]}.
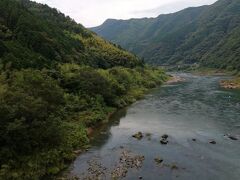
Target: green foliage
{"type": "Point", "coordinates": [29, 102]}
{"type": "Point", "coordinates": [30, 107]}
{"type": "Point", "coordinates": [207, 36]}
{"type": "Point", "coordinates": [36, 36]}
{"type": "Point", "coordinates": [44, 115]}
{"type": "Point", "coordinates": [52, 88]}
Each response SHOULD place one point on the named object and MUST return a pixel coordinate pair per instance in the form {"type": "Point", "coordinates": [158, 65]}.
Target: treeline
{"type": "Point", "coordinates": [56, 80]}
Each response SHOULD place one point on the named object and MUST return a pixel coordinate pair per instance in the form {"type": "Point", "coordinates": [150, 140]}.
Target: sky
{"type": "Point", "coordinates": [92, 13]}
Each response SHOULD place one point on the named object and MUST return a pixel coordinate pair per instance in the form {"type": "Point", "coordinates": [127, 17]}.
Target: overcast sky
{"type": "Point", "coordinates": [94, 12]}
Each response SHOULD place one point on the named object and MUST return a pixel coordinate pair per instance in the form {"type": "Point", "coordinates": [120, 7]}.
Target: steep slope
{"type": "Point", "coordinates": [207, 35]}
{"type": "Point", "coordinates": [29, 30]}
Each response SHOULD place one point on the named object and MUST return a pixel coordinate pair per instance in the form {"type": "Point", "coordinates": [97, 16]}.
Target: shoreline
{"type": "Point", "coordinates": [175, 79]}
{"type": "Point", "coordinates": [63, 175]}
{"type": "Point", "coordinates": [231, 84]}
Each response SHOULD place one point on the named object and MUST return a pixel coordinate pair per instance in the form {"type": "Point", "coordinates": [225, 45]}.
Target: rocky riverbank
{"type": "Point", "coordinates": [175, 79]}
{"type": "Point", "coordinates": [231, 84]}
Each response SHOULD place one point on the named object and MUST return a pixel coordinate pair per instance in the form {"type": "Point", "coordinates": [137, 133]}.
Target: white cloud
{"type": "Point", "coordinates": [94, 12]}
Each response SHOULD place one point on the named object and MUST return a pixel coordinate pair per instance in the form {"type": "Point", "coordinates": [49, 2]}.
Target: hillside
{"type": "Point", "coordinates": [57, 79]}
{"type": "Point", "coordinates": [29, 30]}
{"type": "Point", "coordinates": [207, 35]}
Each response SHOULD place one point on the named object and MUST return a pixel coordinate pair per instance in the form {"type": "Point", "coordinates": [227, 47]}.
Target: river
{"type": "Point", "coordinates": [192, 113]}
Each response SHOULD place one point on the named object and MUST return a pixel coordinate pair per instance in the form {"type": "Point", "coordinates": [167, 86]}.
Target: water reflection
{"type": "Point", "coordinates": [102, 133]}
{"type": "Point", "coordinates": [196, 109]}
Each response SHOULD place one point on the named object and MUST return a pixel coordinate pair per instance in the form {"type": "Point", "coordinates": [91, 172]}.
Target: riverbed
{"type": "Point", "coordinates": [197, 115]}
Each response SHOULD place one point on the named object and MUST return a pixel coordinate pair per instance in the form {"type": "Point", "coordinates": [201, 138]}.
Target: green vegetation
{"type": "Point", "coordinates": [33, 31]}
{"type": "Point", "coordinates": [44, 115]}
{"type": "Point", "coordinates": [56, 80]}
{"type": "Point", "coordinates": [202, 36]}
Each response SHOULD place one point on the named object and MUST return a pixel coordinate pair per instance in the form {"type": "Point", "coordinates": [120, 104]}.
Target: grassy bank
{"type": "Point", "coordinates": [45, 114]}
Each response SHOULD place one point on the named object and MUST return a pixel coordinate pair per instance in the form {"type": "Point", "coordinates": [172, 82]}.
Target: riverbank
{"type": "Point", "coordinates": [63, 109]}
{"type": "Point", "coordinates": [174, 79]}
{"type": "Point", "coordinates": [153, 78]}
{"type": "Point", "coordinates": [203, 71]}
{"type": "Point", "coordinates": [231, 84]}
{"type": "Point", "coordinates": [174, 131]}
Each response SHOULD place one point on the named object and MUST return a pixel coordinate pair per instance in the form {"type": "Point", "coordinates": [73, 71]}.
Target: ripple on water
{"type": "Point", "coordinates": [195, 109]}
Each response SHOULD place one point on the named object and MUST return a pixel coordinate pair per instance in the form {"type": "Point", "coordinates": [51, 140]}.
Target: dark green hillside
{"type": "Point", "coordinates": [34, 31]}
{"type": "Point", "coordinates": [56, 80]}
{"type": "Point", "coordinates": [207, 35]}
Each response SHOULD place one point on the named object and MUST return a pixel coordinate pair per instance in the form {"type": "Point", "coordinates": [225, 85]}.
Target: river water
{"type": "Point", "coordinates": [195, 109]}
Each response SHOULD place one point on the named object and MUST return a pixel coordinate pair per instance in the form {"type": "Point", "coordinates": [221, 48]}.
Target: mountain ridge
{"type": "Point", "coordinates": [193, 35]}
{"type": "Point", "coordinates": [49, 34]}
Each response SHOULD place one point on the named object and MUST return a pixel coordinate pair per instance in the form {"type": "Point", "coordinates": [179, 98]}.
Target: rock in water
{"type": "Point", "coordinates": [165, 136]}
{"type": "Point", "coordinates": [77, 152]}
{"type": "Point", "coordinates": [138, 135]}
{"type": "Point", "coordinates": [232, 138]}
{"type": "Point", "coordinates": [212, 142]}
{"type": "Point", "coordinates": [158, 160]}
{"type": "Point", "coordinates": [163, 141]}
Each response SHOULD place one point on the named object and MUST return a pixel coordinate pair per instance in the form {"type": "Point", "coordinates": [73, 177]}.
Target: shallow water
{"type": "Point", "coordinates": [197, 108]}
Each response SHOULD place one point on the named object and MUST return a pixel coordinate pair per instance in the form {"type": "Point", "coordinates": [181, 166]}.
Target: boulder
{"type": "Point", "coordinates": [212, 142]}
{"type": "Point", "coordinates": [165, 136]}
{"type": "Point", "coordinates": [158, 160]}
{"type": "Point", "coordinates": [138, 135]}
{"type": "Point", "coordinates": [232, 138]}
{"type": "Point", "coordinates": [164, 141]}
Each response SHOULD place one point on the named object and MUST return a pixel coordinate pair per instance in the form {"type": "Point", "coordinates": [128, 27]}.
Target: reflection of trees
{"type": "Point", "coordinates": [102, 133]}
{"type": "Point", "coordinates": [117, 116]}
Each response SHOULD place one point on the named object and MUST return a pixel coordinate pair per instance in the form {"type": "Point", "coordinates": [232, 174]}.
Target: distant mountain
{"type": "Point", "coordinates": [207, 35]}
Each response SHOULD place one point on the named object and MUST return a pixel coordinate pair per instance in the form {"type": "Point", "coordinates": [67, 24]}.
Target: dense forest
{"type": "Point", "coordinates": [57, 79]}
{"type": "Point", "coordinates": [206, 35]}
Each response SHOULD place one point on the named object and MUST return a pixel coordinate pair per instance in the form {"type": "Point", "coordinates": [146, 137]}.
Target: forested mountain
{"type": "Point", "coordinates": [207, 35]}
{"type": "Point", "coordinates": [56, 80]}
{"type": "Point", "coordinates": [31, 30]}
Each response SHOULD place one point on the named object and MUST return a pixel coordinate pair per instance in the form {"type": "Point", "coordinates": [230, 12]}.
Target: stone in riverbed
{"type": "Point", "coordinates": [158, 160]}
{"type": "Point", "coordinates": [212, 142]}
{"type": "Point", "coordinates": [77, 152]}
{"type": "Point", "coordinates": [164, 141]}
{"type": "Point", "coordinates": [138, 135]}
{"type": "Point", "coordinates": [232, 138]}
{"type": "Point", "coordinates": [165, 136]}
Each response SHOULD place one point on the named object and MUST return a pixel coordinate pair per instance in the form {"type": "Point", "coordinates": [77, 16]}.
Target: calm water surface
{"type": "Point", "coordinates": [197, 108]}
